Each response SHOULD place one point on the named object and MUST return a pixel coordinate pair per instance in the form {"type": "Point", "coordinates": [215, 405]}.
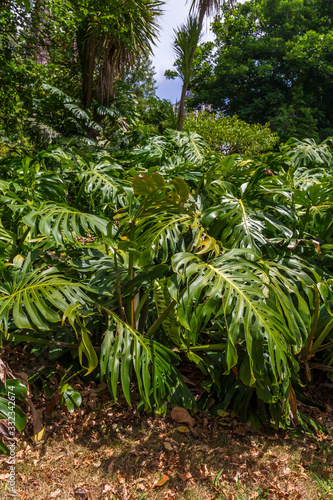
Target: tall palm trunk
{"type": "Point", "coordinates": [181, 110]}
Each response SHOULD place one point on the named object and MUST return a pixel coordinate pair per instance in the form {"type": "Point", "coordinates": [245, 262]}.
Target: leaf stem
{"type": "Point", "coordinates": [160, 319]}
{"type": "Point", "coordinates": [116, 268]}
{"type": "Point", "coordinates": [17, 249]}
{"type": "Point", "coordinates": [130, 307]}
{"type": "Point", "coordinates": [208, 347]}
{"type": "Point", "coordinates": [141, 304]}
{"type": "Point", "coordinates": [307, 349]}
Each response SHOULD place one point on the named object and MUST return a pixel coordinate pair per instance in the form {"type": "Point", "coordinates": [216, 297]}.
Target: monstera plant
{"type": "Point", "coordinates": [142, 262]}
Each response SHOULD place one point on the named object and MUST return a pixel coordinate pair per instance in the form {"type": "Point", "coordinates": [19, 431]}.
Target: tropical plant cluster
{"type": "Point", "coordinates": [92, 54]}
{"type": "Point", "coordinates": [146, 264]}
{"type": "Point", "coordinates": [190, 268]}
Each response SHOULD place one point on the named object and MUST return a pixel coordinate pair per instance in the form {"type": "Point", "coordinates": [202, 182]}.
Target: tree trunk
{"type": "Point", "coordinates": [105, 84]}
{"type": "Point", "coordinates": [182, 108]}
{"type": "Point", "coordinates": [86, 45]}
{"type": "Point", "coordinates": [43, 43]}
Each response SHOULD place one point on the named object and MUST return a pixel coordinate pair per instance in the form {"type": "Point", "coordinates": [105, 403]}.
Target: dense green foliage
{"type": "Point", "coordinates": [230, 135]}
{"type": "Point", "coordinates": [138, 258]}
{"type": "Point", "coordinates": [166, 255]}
{"type": "Point", "coordinates": [73, 48]}
{"type": "Point", "coordinates": [271, 62]}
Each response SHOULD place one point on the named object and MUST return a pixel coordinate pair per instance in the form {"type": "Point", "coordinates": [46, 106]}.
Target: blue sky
{"type": "Point", "coordinates": [175, 13]}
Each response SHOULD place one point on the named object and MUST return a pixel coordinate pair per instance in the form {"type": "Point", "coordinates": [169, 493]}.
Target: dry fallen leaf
{"type": "Point", "coordinates": [106, 488]}
{"type": "Point", "coordinates": [240, 430]}
{"type": "Point", "coordinates": [182, 416]}
{"type": "Point", "coordinates": [162, 481]}
{"type": "Point", "coordinates": [4, 427]}
{"type": "Point", "coordinates": [205, 474]}
{"type": "Point", "coordinates": [286, 471]}
{"type": "Point", "coordinates": [185, 476]}
{"type": "Point", "coordinates": [83, 494]}
{"type": "Point", "coordinates": [168, 446]}
{"type": "Point", "coordinates": [55, 493]}
{"type": "Point", "coordinates": [169, 495]}
{"type": "Point", "coordinates": [4, 368]}
{"type": "Point", "coordinates": [51, 405]}
{"type": "Point", "coordinates": [326, 472]}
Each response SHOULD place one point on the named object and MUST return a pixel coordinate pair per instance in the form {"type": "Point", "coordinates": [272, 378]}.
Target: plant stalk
{"type": "Point", "coordinates": [120, 300]}
{"type": "Point", "coordinates": [160, 319]}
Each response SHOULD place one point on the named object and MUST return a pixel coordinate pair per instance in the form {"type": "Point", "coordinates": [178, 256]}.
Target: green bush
{"type": "Point", "coordinates": [230, 134]}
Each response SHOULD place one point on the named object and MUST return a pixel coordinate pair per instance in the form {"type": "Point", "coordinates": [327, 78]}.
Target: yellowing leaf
{"type": "Point", "coordinates": [38, 436]}
{"type": "Point", "coordinates": [18, 260]}
{"type": "Point", "coordinates": [222, 413]}
{"type": "Point", "coordinates": [183, 429]}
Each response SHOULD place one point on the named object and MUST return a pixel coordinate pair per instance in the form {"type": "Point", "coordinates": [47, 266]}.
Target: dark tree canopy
{"type": "Point", "coordinates": [272, 60]}
{"type": "Point", "coordinates": [94, 53]}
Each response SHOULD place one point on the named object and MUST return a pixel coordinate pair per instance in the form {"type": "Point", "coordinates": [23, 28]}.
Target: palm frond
{"type": "Point", "coordinates": [209, 7]}
{"type": "Point", "coordinates": [186, 39]}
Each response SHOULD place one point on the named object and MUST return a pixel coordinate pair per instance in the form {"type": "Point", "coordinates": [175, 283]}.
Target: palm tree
{"type": "Point", "coordinates": [208, 7]}
{"type": "Point", "coordinates": [121, 52]}
{"type": "Point", "coordinates": [108, 44]}
{"type": "Point", "coordinates": [185, 42]}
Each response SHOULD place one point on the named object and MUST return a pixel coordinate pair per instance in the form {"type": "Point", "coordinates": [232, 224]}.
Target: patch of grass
{"type": "Point", "coordinates": [325, 485]}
